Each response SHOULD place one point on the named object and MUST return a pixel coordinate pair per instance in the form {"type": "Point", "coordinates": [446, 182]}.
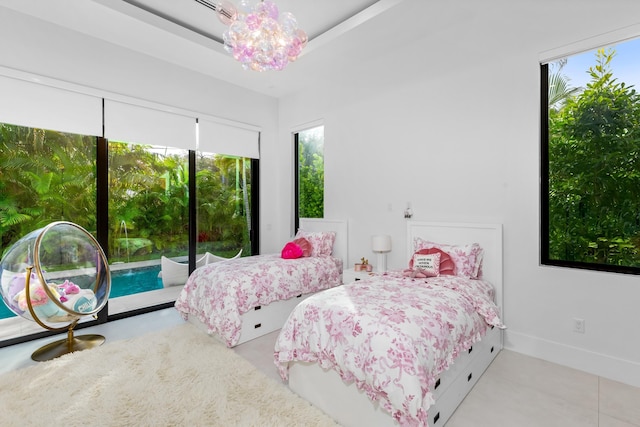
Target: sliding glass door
{"type": "Point", "coordinates": [224, 204]}
{"type": "Point", "coordinates": [45, 176]}
{"type": "Point", "coordinates": [148, 220]}
{"type": "Point", "coordinates": [48, 176]}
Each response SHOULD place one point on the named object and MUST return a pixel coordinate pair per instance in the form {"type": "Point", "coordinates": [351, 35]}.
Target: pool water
{"type": "Point", "coordinates": [123, 282]}
{"type": "Point", "coordinates": [128, 282]}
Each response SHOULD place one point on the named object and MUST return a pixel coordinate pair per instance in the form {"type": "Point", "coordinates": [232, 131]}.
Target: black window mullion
{"type": "Point", "coordinates": [193, 225]}
{"type": "Point", "coordinates": [102, 205]}
{"type": "Point", "coordinates": [544, 163]}
{"type": "Point", "coordinates": [254, 234]}
{"type": "Point", "coordinates": [296, 181]}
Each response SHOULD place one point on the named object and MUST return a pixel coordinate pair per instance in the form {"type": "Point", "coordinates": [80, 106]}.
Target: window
{"type": "Point", "coordinates": [590, 159]}
{"type": "Point", "coordinates": [309, 173]}
{"type": "Point", "coordinates": [45, 176]}
{"type": "Point", "coordinates": [48, 176]}
{"type": "Point", "coordinates": [127, 174]}
{"type": "Point", "coordinates": [224, 204]}
{"type": "Point", "coordinates": [148, 219]}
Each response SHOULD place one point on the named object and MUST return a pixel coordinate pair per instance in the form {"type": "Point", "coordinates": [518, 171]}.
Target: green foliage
{"type": "Point", "coordinates": [559, 87]}
{"type": "Point", "coordinates": [311, 175]}
{"type": "Point", "coordinates": [48, 176]}
{"type": "Point", "coordinates": [152, 201]}
{"type": "Point", "coordinates": [224, 188]}
{"type": "Point", "coordinates": [44, 176]}
{"type": "Point", "coordinates": [594, 172]}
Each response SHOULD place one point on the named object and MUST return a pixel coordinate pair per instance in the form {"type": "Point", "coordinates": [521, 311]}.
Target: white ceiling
{"type": "Point", "coordinates": [188, 34]}
{"type": "Point", "coordinates": [315, 17]}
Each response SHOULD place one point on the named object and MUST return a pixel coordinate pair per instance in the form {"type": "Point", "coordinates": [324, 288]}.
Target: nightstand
{"type": "Point", "coordinates": [350, 275]}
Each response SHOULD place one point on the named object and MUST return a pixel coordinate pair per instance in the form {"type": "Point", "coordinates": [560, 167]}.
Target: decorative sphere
{"type": "Point", "coordinates": [69, 276]}
{"type": "Point", "coordinates": [302, 37]}
{"type": "Point", "coordinates": [247, 6]}
{"type": "Point", "coordinates": [268, 8]}
{"type": "Point", "coordinates": [289, 23]}
{"type": "Point", "coordinates": [253, 21]}
{"type": "Point", "coordinates": [260, 41]}
{"type": "Point", "coordinates": [227, 12]}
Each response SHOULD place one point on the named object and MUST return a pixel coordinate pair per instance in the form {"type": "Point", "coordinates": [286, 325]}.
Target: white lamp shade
{"type": "Point", "coordinates": [381, 243]}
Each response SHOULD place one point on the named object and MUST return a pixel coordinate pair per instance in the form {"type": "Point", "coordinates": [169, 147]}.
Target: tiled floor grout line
{"type": "Point", "coordinates": [598, 400]}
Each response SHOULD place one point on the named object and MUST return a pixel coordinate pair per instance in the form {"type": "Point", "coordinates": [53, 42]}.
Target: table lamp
{"type": "Point", "coordinates": [381, 244]}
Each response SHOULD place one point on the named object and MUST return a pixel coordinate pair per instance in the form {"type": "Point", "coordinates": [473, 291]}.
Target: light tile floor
{"type": "Point", "coordinates": [515, 391]}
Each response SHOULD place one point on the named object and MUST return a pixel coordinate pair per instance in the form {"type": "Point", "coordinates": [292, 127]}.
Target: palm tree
{"type": "Point", "coordinates": [559, 88]}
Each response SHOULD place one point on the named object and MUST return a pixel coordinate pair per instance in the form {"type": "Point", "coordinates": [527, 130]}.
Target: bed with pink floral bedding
{"type": "Point", "coordinates": [391, 335]}
{"type": "Point", "coordinates": [219, 294]}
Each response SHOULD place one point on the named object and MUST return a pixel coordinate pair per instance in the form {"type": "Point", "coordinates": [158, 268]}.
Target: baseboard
{"type": "Point", "coordinates": [624, 371]}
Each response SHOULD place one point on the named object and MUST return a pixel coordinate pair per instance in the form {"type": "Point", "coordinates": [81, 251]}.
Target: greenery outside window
{"type": "Point", "coordinates": [309, 173]}
{"type": "Point", "coordinates": [224, 204]}
{"type": "Point", "coordinates": [148, 216]}
{"type": "Point", "coordinates": [45, 176]}
{"type": "Point", "coordinates": [590, 159]}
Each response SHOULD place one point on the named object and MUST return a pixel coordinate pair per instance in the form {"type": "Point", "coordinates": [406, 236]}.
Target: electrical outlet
{"type": "Point", "coordinates": [578, 325]}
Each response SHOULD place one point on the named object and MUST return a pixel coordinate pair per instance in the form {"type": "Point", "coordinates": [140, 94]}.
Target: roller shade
{"type": "Point", "coordinates": [230, 140]}
{"type": "Point", "coordinates": [36, 105]}
{"type": "Point", "coordinates": [142, 125]}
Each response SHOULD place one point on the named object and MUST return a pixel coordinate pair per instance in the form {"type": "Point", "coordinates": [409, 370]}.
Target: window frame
{"type": "Point", "coordinates": [296, 181]}
{"type": "Point", "coordinates": [545, 224]}
{"type": "Point", "coordinates": [296, 169]}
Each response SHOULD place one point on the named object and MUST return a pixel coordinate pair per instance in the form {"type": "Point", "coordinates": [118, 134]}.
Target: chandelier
{"type": "Point", "coordinates": [259, 36]}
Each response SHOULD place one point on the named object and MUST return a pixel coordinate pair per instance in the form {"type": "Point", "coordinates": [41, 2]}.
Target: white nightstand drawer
{"type": "Point", "coordinates": [351, 275]}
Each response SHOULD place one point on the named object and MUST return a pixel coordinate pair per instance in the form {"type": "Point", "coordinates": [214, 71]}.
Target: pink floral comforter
{"type": "Point", "coordinates": [389, 334]}
{"type": "Point", "coordinates": [218, 294]}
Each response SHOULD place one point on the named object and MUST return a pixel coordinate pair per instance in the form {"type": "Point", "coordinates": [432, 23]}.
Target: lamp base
{"type": "Point", "coordinates": [65, 346]}
{"type": "Point", "coordinates": [382, 262]}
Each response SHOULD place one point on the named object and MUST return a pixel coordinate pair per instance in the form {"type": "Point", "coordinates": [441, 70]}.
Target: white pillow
{"type": "Point", "coordinates": [211, 258]}
{"type": "Point", "coordinates": [202, 261]}
{"type": "Point", "coordinates": [175, 273]}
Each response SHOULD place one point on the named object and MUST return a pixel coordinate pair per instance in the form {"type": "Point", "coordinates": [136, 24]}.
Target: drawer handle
{"type": "Point", "coordinates": [470, 349]}
{"type": "Point", "coordinates": [258, 307]}
{"type": "Point", "coordinates": [437, 384]}
{"type": "Point", "coordinates": [257, 325]}
{"type": "Point", "coordinates": [436, 418]}
{"type": "Point", "coordinates": [469, 376]}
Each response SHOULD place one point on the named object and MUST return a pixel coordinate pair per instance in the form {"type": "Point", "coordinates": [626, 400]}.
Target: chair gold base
{"type": "Point", "coordinates": [65, 346]}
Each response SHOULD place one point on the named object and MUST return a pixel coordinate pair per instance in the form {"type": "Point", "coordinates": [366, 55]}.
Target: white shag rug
{"type": "Point", "coordinates": [177, 377]}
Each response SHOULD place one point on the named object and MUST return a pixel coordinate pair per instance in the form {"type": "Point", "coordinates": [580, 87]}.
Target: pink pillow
{"type": "Point", "coordinates": [321, 241]}
{"type": "Point", "coordinates": [291, 251]}
{"type": "Point", "coordinates": [447, 267]}
{"type": "Point", "coordinates": [428, 264]}
{"type": "Point", "coordinates": [304, 245]}
{"type": "Point", "coordinates": [467, 258]}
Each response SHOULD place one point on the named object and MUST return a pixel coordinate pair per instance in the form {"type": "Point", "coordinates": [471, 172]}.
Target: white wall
{"type": "Point", "coordinates": [449, 121]}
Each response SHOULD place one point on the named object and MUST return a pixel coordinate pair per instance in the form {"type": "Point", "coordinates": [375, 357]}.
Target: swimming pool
{"type": "Point", "coordinates": [123, 282]}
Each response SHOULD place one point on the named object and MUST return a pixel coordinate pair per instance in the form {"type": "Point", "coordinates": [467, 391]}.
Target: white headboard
{"type": "Point", "coordinates": [341, 244]}
{"type": "Point", "coordinates": [489, 236]}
